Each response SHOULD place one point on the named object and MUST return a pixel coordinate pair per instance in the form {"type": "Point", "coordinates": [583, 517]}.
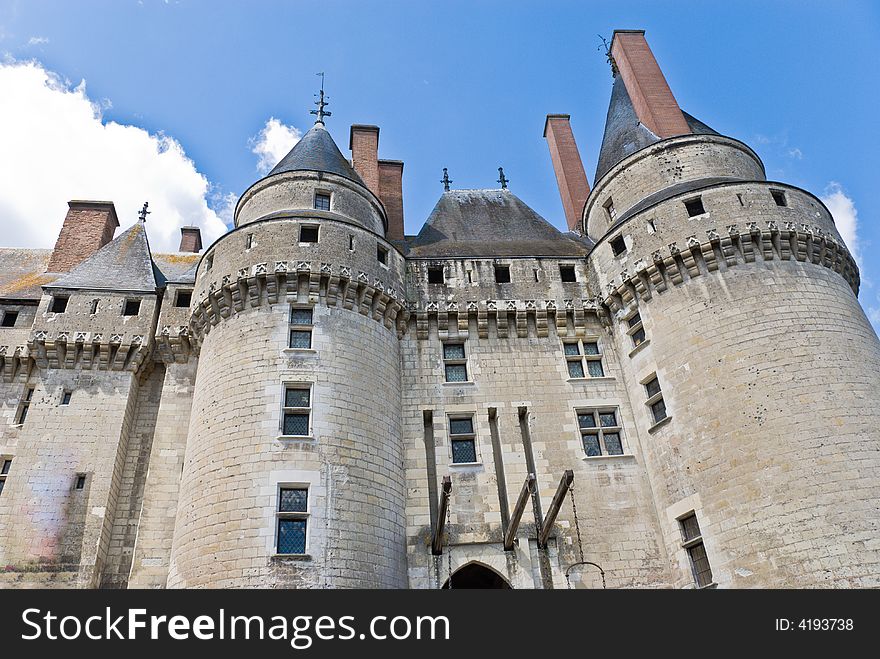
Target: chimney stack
{"type": "Point", "coordinates": [190, 239]}
{"type": "Point", "coordinates": [651, 96]}
{"type": "Point", "coordinates": [391, 194]}
{"type": "Point", "coordinates": [570, 176]}
{"type": "Point", "coordinates": [88, 226]}
{"type": "Point", "coordinates": [364, 144]}
{"type": "Point", "coordinates": [384, 178]}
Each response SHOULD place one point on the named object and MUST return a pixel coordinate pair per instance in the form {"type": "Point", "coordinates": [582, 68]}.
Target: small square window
{"type": "Point", "coordinates": [183, 299]}
{"type": "Point", "coordinates": [300, 316]}
{"type": "Point", "coordinates": [572, 349]}
{"type": "Point", "coordinates": [567, 273]}
{"type": "Point", "coordinates": [291, 536]}
{"type": "Point", "coordinates": [9, 318]}
{"type": "Point", "coordinates": [297, 397]}
{"type": "Point", "coordinates": [502, 274]}
{"type": "Point", "coordinates": [131, 308]}
{"type": "Point", "coordinates": [453, 351]}
{"type": "Point", "coordinates": [65, 397]}
{"type": "Point", "coordinates": [59, 303]}
{"type": "Point", "coordinates": [435, 275]}
{"type": "Point", "coordinates": [618, 245]}
{"type": "Point", "coordinates": [779, 197]}
{"type": "Point", "coordinates": [293, 500]}
{"type": "Point", "coordinates": [576, 369]}
{"type": "Point", "coordinates": [694, 207]}
{"type": "Point", "coordinates": [382, 255]}
{"type": "Point", "coordinates": [308, 233]}
{"type": "Point", "coordinates": [464, 426]}
{"type": "Point", "coordinates": [80, 481]}
{"type": "Point", "coordinates": [301, 339]}
{"type": "Point", "coordinates": [322, 201]}
{"type": "Point", "coordinates": [587, 420]}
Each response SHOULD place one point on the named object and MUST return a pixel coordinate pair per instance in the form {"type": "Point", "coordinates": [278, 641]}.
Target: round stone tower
{"type": "Point", "coordinates": [294, 471]}
{"type": "Point", "coordinates": [755, 367]}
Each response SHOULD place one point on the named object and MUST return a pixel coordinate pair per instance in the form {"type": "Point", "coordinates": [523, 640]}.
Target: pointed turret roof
{"type": "Point", "coordinates": [490, 223]}
{"type": "Point", "coordinates": [316, 151]}
{"type": "Point", "coordinates": [123, 264]}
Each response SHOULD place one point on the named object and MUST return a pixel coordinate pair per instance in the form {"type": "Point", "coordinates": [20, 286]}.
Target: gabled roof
{"type": "Point", "coordinates": [316, 151]}
{"type": "Point", "coordinates": [23, 273]}
{"type": "Point", "coordinates": [624, 134]}
{"type": "Point", "coordinates": [123, 264]}
{"type": "Point", "coordinates": [490, 223]}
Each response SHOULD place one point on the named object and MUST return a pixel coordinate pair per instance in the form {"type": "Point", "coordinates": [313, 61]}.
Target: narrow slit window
{"type": "Point", "coordinates": [24, 406]}
{"type": "Point", "coordinates": [131, 308]}
{"type": "Point", "coordinates": [9, 318]}
{"type": "Point", "coordinates": [297, 411]}
{"type": "Point", "coordinates": [601, 432]}
{"type": "Point", "coordinates": [249, 241]}
{"type": "Point", "coordinates": [694, 207]}
{"type": "Point", "coordinates": [322, 201]}
{"type": "Point", "coordinates": [350, 242]}
{"type": "Point", "coordinates": [94, 308]}
{"type": "Point", "coordinates": [463, 440]}
{"type": "Point", "coordinates": [80, 481]}
{"type": "Point", "coordinates": [209, 262]}
{"type": "Point", "coordinates": [5, 466]}
{"type": "Point", "coordinates": [59, 303]}
{"type": "Point", "coordinates": [567, 273]}
{"type": "Point", "coordinates": [293, 519]}
{"type": "Point", "coordinates": [301, 327]}
{"type": "Point", "coordinates": [618, 245]}
{"type": "Point", "coordinates": [692, 541]}
{"type": "Point", "coordinates": [502, 274]}
{"type": "Point", "coordinates": [455, 362]}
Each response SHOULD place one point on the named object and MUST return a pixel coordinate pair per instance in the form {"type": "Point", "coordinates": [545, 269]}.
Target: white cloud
{"type": "Point", "coordinates": [57, 147]}
{"type": "Point", "coordinates": [845, 215]}
{"type": "Point", "coordinates": [38, 41]}
{"type": "Point", "coordinates": [796, 153]}
{"type": "Point", "coordinates": [272, 143]}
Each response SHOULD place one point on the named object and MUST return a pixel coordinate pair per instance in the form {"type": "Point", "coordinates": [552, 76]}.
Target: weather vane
{"type": "Point", "coordinates": [142, 214]}
{"type": "Point", "coordinates": [502, 179]}
{"type": "Point", "coordinates": [445, 180]}
{"type": "Point", "coordinates": [321, 103]}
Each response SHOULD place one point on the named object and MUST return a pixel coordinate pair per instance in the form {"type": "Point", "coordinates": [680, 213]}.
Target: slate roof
{"type": "Point", "coordinates": [179, 268]}
{"type": "Point", "coordinates": [624, 134]}
{"type": "Point", "coordinates": [23, 273]}
{"type": "Point", "coordinates": [123, 264]}
{"type": "Point", "coordinates": [316, 151]}
{"type": "Point", "coordinates": [490, 223]}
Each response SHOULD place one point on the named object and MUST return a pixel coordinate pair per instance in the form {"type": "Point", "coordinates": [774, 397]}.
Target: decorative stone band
{"type": "Point", "coordinates": [739, 245]}
{"type": "Point", "coordinates": [88, 350]}
{"type": "Point", "coordinates": [510, 316]}
{"type": "Point", "coordinates": [13, 360]}
{"type": "Point", "coordinates": [273, 282]}
{"type": "Point", "coordinates": [173, 344]}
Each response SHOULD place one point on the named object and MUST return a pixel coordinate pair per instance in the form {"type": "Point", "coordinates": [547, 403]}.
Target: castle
{"type": "Point", "coordinates": [682, 391]}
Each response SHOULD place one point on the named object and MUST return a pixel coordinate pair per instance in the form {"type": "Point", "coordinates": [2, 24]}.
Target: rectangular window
{"type": "Point", "coordinates": [131, 308]}
{"type": "Point", "coordinates": [249, 241]}
{"type": "Point", "coordinates": [435, 275]}
{"type": "Point", "coordinates": [618, 245]}
{"type": "Point", "coordinates": [9, 318]}
{"type": "Point", "coordinates": [4, 469]}
{"type": "Point", "coordinates": [24, 406]}
{"type": "Point", "coordinates": [322, 201]}
{"type": "Point", "coordinates": [80, 482]}
{"type": "Point", "coordinates": [94, 309]}
{"type": "Point", "coordinates": [455, 362]}
{"type": "Point", "coordinates": [655, 400]}
{"type": "Point", "coordinates": [59, 303]}
{"type": "Point", "coordinates": [692, 541]}
{"type": "Point", "coordinates": [579, 352]}
{"type": "Point", "coordinates": [566, 273]}
{"type": "Point", "coordinates": [209, 262]}
{"type": "Point", "coordinates": [463, 440]}
{"type": "Point", "coordinates": [183, 299]}
{"type": "Point", "coordinates": [779, 197]}
{"type": "Point", "coordinates": [65, 397]}
{"type": "Point", "coordinates": [601, 432]}
{"type": "Point", "coordinates": [293, 517]}
{"type": "Point", "coordinates": [609, 209]}
{"type": "Point", "coordinates": [636, 329]}
{"type": "Point", "coordinates": [308, 233]}
{"type": "Point", "coordinates": [301, 326]}
{"type": "Point", "coordinates": [502, 274]}
{"type": "Point", "coordinates": [694, 207]}
{"type": "Point", "coordinates": [382, 255]}
{"type": "Point", "coordinates": [297, 410]}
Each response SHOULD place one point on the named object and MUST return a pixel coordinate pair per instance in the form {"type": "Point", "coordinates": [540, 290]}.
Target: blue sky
{"type": "Point", "coordinates": [466, 85]}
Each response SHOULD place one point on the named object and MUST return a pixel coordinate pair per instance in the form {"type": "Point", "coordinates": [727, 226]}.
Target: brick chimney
{"type": "Point", "coordinates": [391, 194]}
{"type": "Point", "coordinates": [190, 240]}
{"type": "Point", "coordinates": [364, 144]}
{"type": "Point", "coordinates": [651, 96]}
{"type": "Point", "coordinates": [88, 226]}
{"type": "Point", "coordinates": [570, 176]}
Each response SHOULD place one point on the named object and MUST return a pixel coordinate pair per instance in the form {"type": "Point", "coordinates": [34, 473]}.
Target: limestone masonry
{"type": "Point", "coordinates": [682, 391]}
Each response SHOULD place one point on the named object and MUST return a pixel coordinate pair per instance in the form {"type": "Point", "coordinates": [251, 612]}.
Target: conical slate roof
{"type": "Point", "coordinates": [123, 264]}
{"type": "Point", "coordinates": [624, 134]}
{"type": "Point", "coordinates": [316, 151]}
{"type": "Point", "coordinates": [490, 223]}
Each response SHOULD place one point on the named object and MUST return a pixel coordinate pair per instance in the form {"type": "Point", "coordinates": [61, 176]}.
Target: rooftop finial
{"type": "Point", "coordinates": [502, 179]}
{"type": "Point", "coordinates": [445, 180]}
{"type": "Point", "coordinates": [321, 103]}
{"type": "Point", "coordinates": [607, 48]}
{"type": "Point", "coordinates": [142, 214]}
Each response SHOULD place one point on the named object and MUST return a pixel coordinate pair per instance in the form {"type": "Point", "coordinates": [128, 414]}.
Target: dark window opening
{"type": "Point", "coordinates": [183, 299]}
{"type": "Point", "coordinates": [463, 440]}
{"type": "Point", "coordinates": [249, 241]}
{"type": "Point", "coordinates": [351, 242]}
{"type": "Point", "coordinates": [618, 245]}
{"type": "Point", "coordinates": [567, 273]}
{"type": "Point", "coordinates": [59, 303]}
{"type": "Point", "coordinates": [297, 411]}
{"type": "Point", "coordinates": [695, 207]}
{"type": "Point", "coordinates": [95, 306]}
{"type": "Point", "coordinates": [24, 406]}
{"type": "Point", "coordinates": [609, 208]}
{"type": "Point", "coordinates": [65, 397]}
{"type": "Point", "coordinates": [131, 308]}
{"type": "Point", "coordinates": [293, 506]}
{"type": "Point", "coordinates": [382, 254]}
{"type": "Point", "coordinates": [502, 274]}
{"type": "Point", "coordinates": [693, 543]}
{"type": "Point", "coordinates": [9, 318]}
{"type": "Point", "coordinates": [80, 481]}
{"type": "Point", "coordinates": [6, 466]}
{"type": "Point", "coordinates": [322, 201]}
{"type": "Point", "coordinates": [779, 197]}
{"type": "Point", "coordinates": [308, 233]}
{"type": "Point", "coordinates": [435, 275]}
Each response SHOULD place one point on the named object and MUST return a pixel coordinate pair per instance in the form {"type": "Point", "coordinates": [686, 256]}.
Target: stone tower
{"type": "Point", "coordinates": [759, 371]}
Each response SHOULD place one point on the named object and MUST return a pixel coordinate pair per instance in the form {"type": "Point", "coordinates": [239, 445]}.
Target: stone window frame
{"type": "Point", "coordinates": [136, 302]}
{"type": "Point", "coordinates": [569, 267]}
{"type": "Point", "coordinates": [653, 397]}
{"type": "Point", "coordinates": [635, 328]}
{"type": "Point", "coordinates": [463, 437]}
{"type": "Point", "coordinates": [502, 267]}
{"type": "Point", "coordinates": [304, 515]}
{"type": "Point", "coordinates": [178, 293]}
{"type": "Point", "coordinates": [695, 548]}
{"type": "Point", "coordinates": [309, 226]}
{"type": "Point", "coordinates": [455, 361]}
{"type": "Point", "coordinates": [66, 395]}
{"type": "Point", "coordinates": [382, 254]}
{"type": "Point", "coordinates": [79, 483]}
{"type": "Point", "coordinates": [5, 466]}
{"type": "Point", "coordinates": [600, 430]}
{"type": "Point", "coordinates": [691, 208]}
{"type": "Point", "coordinates": [433, 269]}
{"type": "Point", "coordinates": [249, 241]}
{"type": "Point", "coordinates": [618, 245]}
{"type": "Point", "coordinates": [608, 207]}
{"type": "Point", "coordinates": [95, 305]}
{"type": "Point", "coordinates": [285, 410]}
{"type": "Point", "coordinates": [582, 358]}
{"type": "Point", "coordinates": [24, 405]}
{"type": "Point", "coordinates": [7, 314]}
{"type": "Point", "coordinates": [323, 194]}
{"type": "Point", "coordinates": [300, 327]}
{"type": "Point", "coordinates": [60, 300]}
{"type": "Point", "coordinates": [779, 196]}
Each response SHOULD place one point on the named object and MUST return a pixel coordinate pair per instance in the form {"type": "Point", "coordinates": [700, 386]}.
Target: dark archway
{"type": "Point", "coordinates": [474, 575]}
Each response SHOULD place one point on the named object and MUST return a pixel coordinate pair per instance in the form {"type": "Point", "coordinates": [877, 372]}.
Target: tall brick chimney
{"type": "Point", "coordinates": [570, 176]}
{"type": "Point", "coordinates": [391, 194]}
{"type": "Point", "coordinates": [88, 226]}
{"type": "Point", "coordinates": [364, 144]}
{"type": "Point", "coordinates": [190, 239]}
{"type": "Point", "coordinates": [651, 96]}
